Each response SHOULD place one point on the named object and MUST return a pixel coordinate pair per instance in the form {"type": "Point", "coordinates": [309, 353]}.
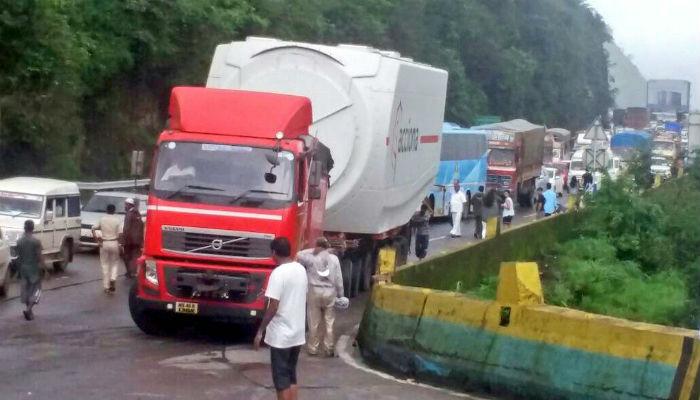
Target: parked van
{"type": "Point", "coordinates": [53, 205]}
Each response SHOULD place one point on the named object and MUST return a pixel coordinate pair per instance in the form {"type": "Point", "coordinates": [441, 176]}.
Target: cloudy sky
{"type": "Point", "coordinates": [661, 36]}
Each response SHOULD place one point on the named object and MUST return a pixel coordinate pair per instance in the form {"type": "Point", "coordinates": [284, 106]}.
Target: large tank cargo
{"type": "Point", "coordinates": [515, 158]}
{"type": "Point", "coordinates": [380, 114]}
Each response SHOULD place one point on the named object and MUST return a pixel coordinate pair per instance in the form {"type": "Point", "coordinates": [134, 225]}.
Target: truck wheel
{"type": "Point", "coordinates": [346, 270]}
{"type": "Point", "coordinates": [5, 287]}
{"type": "Point", "coordinates": [357, 267]}
{"type": "Point", "coordinates": [150, 322]}
{"type": "Point", "coordinates": [65, 256]}
{"type": "Point", "coordinates": [367, 272]}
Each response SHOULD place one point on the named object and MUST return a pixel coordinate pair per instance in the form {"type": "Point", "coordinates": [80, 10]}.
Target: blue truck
{"type": "Point", "coordinates": [463, 156]}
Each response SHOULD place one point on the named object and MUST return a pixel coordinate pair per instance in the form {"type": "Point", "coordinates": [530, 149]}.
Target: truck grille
{"type": "Point", "coordinates": [229, 286]}
{"type": "Point", "coordinates": [216, 243]}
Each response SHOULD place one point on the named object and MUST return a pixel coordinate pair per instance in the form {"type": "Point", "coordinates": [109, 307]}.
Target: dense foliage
{"type": "Point", "coordinates": [83, 82]}
{"type": "Point", "coordinates": [636, 255]}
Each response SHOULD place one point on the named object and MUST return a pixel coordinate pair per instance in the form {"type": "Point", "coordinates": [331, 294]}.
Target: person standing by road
{"type": "Point", "coordinates": [284, 320]}
{"type": "Point", "coordinates": [31, 267]}
{"type": "Point", "coordinates": [420, 221]}
{"type": "Point", "coordinates": [508, 209]}
{"type": "Point", "coordinates": [550, 201]}
{"type": "Point", "coordinates": [457, 201]}
{"type": "Point", "coordinates": [133, 236]}
{"type": "Point", "coordinates": [478, 210]}
{"type": "Point", "coordinates": [110, 227]}
{"type": "Point", "coordinates": [588, 181]}
{"type": "Point", "coordinates": [325, 285]}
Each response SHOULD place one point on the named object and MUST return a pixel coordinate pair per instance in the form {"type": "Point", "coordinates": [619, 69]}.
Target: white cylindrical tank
{"type": "Point", "coordinates": [381, 115]}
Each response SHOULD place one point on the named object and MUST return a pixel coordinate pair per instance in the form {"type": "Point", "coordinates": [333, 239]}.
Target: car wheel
{"type": "Point", "coordinates": [65, 255]}
{"type": "Point", "coordinates": [149, 322]}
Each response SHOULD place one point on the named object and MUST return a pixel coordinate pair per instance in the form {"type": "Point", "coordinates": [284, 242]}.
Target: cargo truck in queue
{"type": "Point", "coordinates": [516, 152]}
{"type": "Point", "coordinates": [248, 159]}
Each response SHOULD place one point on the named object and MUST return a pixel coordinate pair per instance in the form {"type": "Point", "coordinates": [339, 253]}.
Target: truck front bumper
{"type": "Point", "coordinates": [205, 310]}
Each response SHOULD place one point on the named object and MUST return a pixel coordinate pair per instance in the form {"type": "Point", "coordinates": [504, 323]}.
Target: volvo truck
{"type": "Point", "coordinates": [288, 139]}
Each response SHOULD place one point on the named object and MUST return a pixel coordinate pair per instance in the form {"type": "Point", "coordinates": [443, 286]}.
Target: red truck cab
{"type": "Point", "coordinates": [233, 170]}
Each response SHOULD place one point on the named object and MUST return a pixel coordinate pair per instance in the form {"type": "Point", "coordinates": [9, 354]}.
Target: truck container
{"type": "Point", "coordinates": [464, 157]}
{"type": "Point", "coordinates": [693, 134]}
{"type": "Point", "coordinates": [637, 117]}
{"type": "Point", "coordinates": [261, 163]}
{"type": "Point", "coordinates": [516, 151]}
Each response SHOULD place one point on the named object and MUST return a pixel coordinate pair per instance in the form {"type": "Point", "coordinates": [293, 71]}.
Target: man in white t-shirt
{"type": "Point", "coordinates": [284, 322]}
{"type": "Point", "coordinates": [457, 201]}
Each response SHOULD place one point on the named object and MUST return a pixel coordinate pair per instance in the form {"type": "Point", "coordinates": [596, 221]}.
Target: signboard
{"type": "Point", "coordinates": [486, 119]}
{"type": "Point", "coordinates": [137, 163]}
{"type": "Point", "coordinates": [599, 161]}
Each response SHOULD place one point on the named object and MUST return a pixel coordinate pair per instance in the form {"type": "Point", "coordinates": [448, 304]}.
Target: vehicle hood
{"type": "Point", "coordinates": [91, 218]}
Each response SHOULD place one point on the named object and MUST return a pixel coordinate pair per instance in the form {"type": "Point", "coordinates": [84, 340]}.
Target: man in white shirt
{"type": "Point", "coordinates": [284, 322]}
{"type": "Point", "coordinates": [110, 227]}
{"type": "Point", "coordinates": [457, 201]}
{"type": "Point", "coordinates": [174, 171]}
{"type": "Point", "coordinates": [325, 285]}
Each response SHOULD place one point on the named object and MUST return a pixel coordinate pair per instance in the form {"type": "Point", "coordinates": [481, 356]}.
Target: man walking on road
{"type": "Point", "coordinates": [325, 285]}
{"type": "Point", "coordinates": [284, 320]}
{"type": "Point", "coordinates": [133, 236]}
{"type": "Point", "coordinates": [550, 201]}
{"type": "Point", "coordinates": [478, 210]}
{"type": "Point", "coordinates": [457, 201]}
{"type": "Point", "coordinates": [110, 226]}
{"type": "Point", "coordinates": [30, 266]}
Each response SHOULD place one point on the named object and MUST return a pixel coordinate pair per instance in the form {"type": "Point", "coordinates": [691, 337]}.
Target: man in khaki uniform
{"type": "Point", "coordinates": [325, 285]}
{"type": "Point", "coordinates": [110, 227]}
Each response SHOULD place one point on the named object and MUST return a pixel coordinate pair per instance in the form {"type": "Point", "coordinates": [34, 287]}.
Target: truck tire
{"type": "Point", "coordinates": [357, 267]}
{"type": "Point", "coordinates": [367, 271]}
{"type": "Point", "coordinates": [149, 322]}
{"type": "Point", "coordinates": [346, 270]}
{"type": "Point", "coordinates": [65, 255]}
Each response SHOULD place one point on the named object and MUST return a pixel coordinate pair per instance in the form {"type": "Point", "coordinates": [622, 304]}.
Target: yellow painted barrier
{"type": "Point", "coordinates": [519, 283]}
{"type": "Point", "coordinates": [491, 227]}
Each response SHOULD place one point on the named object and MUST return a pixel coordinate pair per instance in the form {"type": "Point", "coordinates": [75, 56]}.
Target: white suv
{"type": "Point", "coordinates": [53, 205]}
{"type": "Point", "coordinates": [4, 266]}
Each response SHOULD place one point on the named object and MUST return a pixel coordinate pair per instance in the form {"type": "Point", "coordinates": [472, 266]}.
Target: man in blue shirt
{"type": "Point", "coordinates": [550, 201]}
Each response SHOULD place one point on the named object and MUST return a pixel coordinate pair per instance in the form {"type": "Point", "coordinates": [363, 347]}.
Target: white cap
{"type": "Point", "coordinates": [129, 201]}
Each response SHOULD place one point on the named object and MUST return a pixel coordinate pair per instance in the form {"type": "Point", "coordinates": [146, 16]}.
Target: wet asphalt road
{"type": "Point", "coordinates": [84, 345]}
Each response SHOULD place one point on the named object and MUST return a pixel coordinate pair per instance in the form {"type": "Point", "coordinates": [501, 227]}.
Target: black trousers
{"type": "Point", "coordinates": [478, 225]}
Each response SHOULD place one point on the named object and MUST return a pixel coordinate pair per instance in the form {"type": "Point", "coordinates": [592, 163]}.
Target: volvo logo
{"type": "Point", "coordinates": [217, 244]}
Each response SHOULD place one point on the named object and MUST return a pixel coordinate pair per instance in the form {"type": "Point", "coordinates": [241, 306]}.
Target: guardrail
{"type": "Point", "coordinates": [125, 184]}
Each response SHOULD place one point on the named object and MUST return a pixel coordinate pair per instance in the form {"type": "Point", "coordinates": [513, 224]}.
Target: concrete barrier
{"type": "Point", "coordinates": [520, 348]}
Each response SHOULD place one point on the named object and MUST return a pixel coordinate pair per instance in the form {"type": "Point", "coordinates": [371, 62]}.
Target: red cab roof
{"type": "Point", "coordinates": [238, 112]}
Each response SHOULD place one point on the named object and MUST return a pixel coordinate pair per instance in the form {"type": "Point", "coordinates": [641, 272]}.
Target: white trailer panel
{"type": "Point", "coordinates": [381, 115]}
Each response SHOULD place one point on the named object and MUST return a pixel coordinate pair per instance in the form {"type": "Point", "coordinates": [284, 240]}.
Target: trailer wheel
{"type": "Point", "coordinates": [150, 322]}
{"type": "Point", "coordinates": [367, 271]}
{"type": "Point", "coordinates": [346, 270]}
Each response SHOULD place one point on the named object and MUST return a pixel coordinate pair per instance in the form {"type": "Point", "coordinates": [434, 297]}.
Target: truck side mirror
{"type": "Point", "coordinates": [315, 173]}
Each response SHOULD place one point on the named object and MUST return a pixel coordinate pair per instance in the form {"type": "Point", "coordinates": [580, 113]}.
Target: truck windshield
{"type": "Point", "coordinates": [19, 204]}
{"type": "Point", "coordinates": [577, 165]}
{"type": "Point", "coordinates": [502, 157]}
{"type": "Point", "coordinates": [223, 174]}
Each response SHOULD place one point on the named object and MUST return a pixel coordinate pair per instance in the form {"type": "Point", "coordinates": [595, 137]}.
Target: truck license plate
{"type": "Point", "coordinates": [186, 308]}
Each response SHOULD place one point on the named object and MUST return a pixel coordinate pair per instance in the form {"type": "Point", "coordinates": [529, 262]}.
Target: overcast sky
{"type": "Point", "coordinates": [661, 36]}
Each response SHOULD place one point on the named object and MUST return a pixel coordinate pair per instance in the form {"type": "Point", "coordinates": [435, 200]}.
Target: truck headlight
{"type": "Point", "coordinates": [151, 272]}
